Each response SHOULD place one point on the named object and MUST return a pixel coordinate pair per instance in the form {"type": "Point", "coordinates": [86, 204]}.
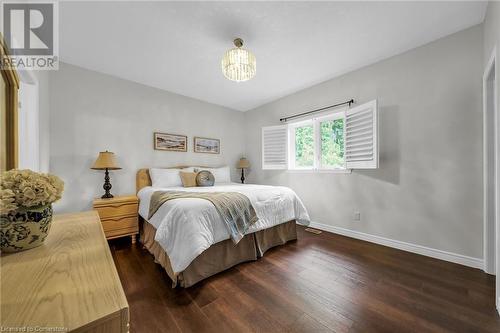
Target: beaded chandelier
{"type": "Point", "coordinates": [238, 64]}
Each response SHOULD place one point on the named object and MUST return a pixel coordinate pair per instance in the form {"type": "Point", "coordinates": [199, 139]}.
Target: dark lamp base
{"type": "Point", "coordinates": [242, 176]}
{"type": "Point", "coordinates": [107, 186]}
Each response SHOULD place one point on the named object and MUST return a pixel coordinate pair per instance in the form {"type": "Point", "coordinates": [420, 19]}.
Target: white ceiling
{"type": "Point", "coordinates": [177, 46]}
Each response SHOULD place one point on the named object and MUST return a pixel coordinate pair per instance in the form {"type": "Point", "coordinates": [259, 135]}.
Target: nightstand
{"type": "Point", "coordinates": [119, 216]}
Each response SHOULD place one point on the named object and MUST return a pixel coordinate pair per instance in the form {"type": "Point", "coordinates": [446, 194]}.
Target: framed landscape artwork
{"type": "Point", "coordinates": [206, 145]}
{"type": "Point", "coordinates": [170, 142]}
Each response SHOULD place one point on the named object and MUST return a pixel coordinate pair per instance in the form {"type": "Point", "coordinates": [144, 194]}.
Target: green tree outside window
{"type": "Point", "coordinates": [304, 146]}
{"type": "Point", "coordinates": [332, 143]}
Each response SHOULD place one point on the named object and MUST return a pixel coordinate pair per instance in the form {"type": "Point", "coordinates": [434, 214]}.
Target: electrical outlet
{"type": "Point", "coordinates": [356, 216]}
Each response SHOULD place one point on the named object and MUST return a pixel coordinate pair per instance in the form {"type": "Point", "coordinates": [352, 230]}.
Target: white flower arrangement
{"type": "Point", "coordinates": [26, 188]}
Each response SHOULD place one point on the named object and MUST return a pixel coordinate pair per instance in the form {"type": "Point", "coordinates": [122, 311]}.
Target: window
{"type": "Point", "coordinates": [301, 145]}
{"type": "Point", "coordinates": [332, 143]}
{"type": "Point", "coordinates": [317, 143]}
{"type": "Point", "coordinates": [337, 141]}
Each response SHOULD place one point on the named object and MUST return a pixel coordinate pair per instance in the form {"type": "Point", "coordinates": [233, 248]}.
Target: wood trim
{"type": "Point", "coordinates": [4, 50]}
{"type": "Point", "coordinates": [11, 80]}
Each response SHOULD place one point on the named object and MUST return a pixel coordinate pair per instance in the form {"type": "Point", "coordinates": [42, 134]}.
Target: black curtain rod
{"type": "Point", "coordinates": [318, 110]}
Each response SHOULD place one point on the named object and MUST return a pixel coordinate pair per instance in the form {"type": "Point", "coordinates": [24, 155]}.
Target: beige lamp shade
{"type": "Point", "coordinates": [243, 163]}
{"type": "Point", "coordinates": [106, 160]}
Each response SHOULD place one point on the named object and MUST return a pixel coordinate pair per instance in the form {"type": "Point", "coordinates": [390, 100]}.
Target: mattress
{"type": "Point", "coordinates": [187, 227]}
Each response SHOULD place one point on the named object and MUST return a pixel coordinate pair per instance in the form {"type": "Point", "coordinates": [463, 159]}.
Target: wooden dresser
{"type": "Point", "coordinates": [119, 216]}
{"type": "Point", "coordinates": [70, 283]}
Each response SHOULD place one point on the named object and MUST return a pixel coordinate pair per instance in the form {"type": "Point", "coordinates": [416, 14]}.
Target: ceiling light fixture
{"type": "Point", "coordinates": [238, 64]}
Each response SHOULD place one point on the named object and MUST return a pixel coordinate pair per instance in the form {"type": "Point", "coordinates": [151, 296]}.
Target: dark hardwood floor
{"type": "Point", "coordinates": [320, 283]}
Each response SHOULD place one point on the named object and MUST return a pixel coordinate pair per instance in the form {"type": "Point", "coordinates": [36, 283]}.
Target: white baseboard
{"type": "Point", "coordinates": [418, 249]}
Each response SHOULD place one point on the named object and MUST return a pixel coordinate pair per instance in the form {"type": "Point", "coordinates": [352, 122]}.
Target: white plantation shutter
{"type": "Point", "coordinates": [274, 147]}
{"type": "Point", "coordinates": [361, 137]}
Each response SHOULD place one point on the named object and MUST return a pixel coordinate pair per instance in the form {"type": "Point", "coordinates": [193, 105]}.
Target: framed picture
{"type": "Point", "coordinates": [170, 142]}
{"type": "Point", "coordinates": [206, 145]}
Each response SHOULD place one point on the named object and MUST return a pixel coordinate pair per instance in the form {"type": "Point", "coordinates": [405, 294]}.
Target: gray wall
{"type": "Point", "coordinates": [92, 112]}
{"type": "Point", "coordinates": [44, 118]}
{"type": "Point", "coordinates": [492, 39]}
{"type": "Point", "coordinates": [491, 30]}
{"type": "Point", "coordinates": [428, 189]}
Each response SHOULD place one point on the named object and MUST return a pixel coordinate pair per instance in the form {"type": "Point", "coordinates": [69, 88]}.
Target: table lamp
{"type": "Point", "coordinates": [106, 161]}
{"type": "Point", "coordinates": [243, 164]}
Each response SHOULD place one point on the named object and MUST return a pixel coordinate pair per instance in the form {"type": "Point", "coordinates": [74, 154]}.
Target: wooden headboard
{"type": "Point", "coordinates": [142, 179]}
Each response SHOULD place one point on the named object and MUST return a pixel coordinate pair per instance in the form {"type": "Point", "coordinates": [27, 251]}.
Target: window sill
{"type": "Point", "coordinates": [319, 170]}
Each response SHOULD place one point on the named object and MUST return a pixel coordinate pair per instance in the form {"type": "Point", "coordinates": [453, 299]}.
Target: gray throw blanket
{"type": "Point", "coordinates": [235, 208]}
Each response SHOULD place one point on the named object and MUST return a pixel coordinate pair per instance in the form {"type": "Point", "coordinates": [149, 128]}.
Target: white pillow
{"type": "Point", "coordinates": [165, 177]}
{"type": "Point", "coordinates": [221, 175]}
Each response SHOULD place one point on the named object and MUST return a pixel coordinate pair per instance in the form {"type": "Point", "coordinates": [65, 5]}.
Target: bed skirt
{"type": "Point", "coordinates": [219, 256]}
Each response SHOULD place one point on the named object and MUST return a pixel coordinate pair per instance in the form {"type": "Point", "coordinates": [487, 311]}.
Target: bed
{"type": "Point", "coordinates": [187, 237]}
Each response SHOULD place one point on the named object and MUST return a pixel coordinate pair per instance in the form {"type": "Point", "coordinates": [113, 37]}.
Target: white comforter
{"type": "Point", "coordinates": [187, 227]}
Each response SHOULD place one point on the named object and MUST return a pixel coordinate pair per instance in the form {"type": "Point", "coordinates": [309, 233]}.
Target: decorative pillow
{"type": "Point", "coordinates": [165, 177]}
{"type": "Point", "coordinates": [205, 178]}
{"type": "Point", "coordinates": [188, 179]}
{"type": "Point", "coordinates": [221, 175]}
